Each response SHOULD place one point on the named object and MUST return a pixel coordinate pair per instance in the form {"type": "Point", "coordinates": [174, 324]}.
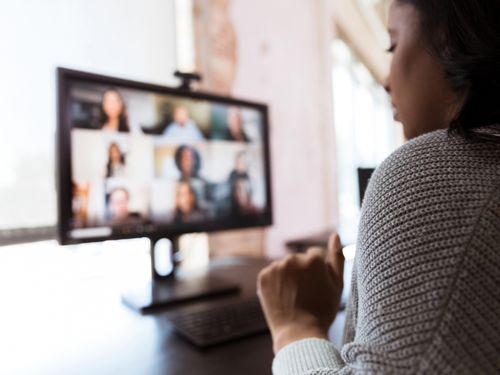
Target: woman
{"type": "Point", "coordinates": [234, 130]}
{"type": "Point", "coordinates": [426, 280]}
{"type": "Point", "coordinates": [242, 206]}
{"type": "Point", "coordinates": [240, 168]}
{"type": "Point", "coordinates": [114, 112]}
{"type": "Point", "coordinates": [241, 188]}
{"type": "Point", "coordinates": [119, 210]}
{"type": "Point", "coordinates": [186, 204]}
{"type": "Point", "coordinates": [115, 167]}
{"type": "Point", "coordinates": [188, 162]}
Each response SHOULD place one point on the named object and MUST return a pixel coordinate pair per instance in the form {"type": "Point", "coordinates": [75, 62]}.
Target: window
{"type": "Point", "coordinates": [365, 130]}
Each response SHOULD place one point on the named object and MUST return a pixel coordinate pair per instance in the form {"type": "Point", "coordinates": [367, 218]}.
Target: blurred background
{"type": "Point", "coordinates": [317, 64]}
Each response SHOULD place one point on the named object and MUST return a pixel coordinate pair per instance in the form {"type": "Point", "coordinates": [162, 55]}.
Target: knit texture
{"type": "Point", "coordinates": [426, 280]}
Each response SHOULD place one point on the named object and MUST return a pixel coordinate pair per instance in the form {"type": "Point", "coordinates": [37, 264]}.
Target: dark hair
{"type": "Point", "coordinates": [109, 164]}
{"type": "Point", "coordinates": [197, 158]}
{"type": "Point", "coordinates": [464, 37]}
{"type": "Point", "coordinates": [123, 120]}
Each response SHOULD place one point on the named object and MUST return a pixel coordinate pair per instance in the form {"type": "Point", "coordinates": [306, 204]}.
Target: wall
{"type": "Point", "coordinates": [284, 60]}
{"type": "Point", "coordinates": [127, 38]}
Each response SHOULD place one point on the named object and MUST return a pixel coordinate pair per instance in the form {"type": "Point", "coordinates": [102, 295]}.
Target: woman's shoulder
{"type": "Point", "coordinates": [442, 149]}
{"type": "Point", "coordinates": [440, 165]}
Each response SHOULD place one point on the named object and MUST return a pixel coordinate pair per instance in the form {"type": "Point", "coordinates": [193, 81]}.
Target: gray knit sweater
{"type": "Point", "coordinates": [426, 279]}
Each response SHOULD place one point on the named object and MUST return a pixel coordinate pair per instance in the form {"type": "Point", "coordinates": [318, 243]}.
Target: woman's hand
{"type": "Point", "coordinates": [300, 295]}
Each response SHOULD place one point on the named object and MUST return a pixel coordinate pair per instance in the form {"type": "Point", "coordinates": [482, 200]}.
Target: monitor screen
{"type": "Point", "coordinates": [138, 159]}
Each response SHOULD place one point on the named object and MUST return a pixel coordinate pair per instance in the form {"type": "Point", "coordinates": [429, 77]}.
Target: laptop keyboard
{"type": "Point", "coordinates": [210, 325]}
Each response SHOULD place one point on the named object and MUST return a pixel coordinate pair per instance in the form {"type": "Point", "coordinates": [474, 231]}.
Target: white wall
{"type": "Point", "coordinates": [126, 38]}
{"type": "Point", "coordinates": [283, 59]}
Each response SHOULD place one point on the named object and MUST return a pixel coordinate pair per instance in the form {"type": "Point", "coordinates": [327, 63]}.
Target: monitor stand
{"type": "Point", "coordinates": [167, 287]}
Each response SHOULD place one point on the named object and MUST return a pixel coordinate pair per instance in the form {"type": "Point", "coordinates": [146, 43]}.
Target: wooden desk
{"type": "Point", "coordinates": [83, 328]}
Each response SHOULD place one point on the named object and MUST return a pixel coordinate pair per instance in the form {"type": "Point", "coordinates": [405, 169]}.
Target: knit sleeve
{"type": "Point", "coordinates": [308, 356]}
{"type": "Point", "coordinates": [317, 356]}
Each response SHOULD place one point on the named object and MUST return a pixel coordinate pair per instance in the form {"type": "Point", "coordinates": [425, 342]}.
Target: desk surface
{"type": "Point", "coordinates": [84, 328]}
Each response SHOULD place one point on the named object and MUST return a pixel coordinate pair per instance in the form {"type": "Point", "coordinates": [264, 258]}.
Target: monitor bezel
{"type": "Point", "coordinates": [64, 170]}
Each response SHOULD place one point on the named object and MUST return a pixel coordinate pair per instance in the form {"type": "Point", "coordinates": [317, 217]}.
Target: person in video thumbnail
{"type": "Point", "coordinates": [240, 169]}
{"type": "Point", "coordinates": [115, 167]}
{"type": "Point", "coordinates": [186, 204]}
{"type": "Point", "coordinates": [241, 198]}
{"type": "Point", "coordinates": [118, 208]}
{"type": "Point", "coordinates": [114, 116]}
{"type": "Point", "coordinates": [80, 203]}
{"type": "Point", "coordinates": [183, 129]}
{"type": "Point", "coordinates": [188, 161]}
{"type": "Point", "coordinates": [234, 130]}
{"type": "Point", "coordinates": [241, 188]}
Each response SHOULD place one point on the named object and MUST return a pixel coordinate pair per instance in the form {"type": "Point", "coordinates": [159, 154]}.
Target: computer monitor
{"type": "Point", "coordinates": [143, 160]}
{"type": "Point", "coordinates": [364, 175]}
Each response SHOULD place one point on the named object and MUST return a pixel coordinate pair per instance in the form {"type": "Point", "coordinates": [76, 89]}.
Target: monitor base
{"type": "Point", "coordinates": [163, 293]}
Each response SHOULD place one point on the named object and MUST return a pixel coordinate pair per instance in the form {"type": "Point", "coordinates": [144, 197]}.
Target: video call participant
{"type": "Point", "coordinates": [241, 199]}
{"type": "Point", "coordinates": [118, 208]}
{"type": "Point", "coordinates": [240, 169]}
{"type": "Point", "coordinates": [234, 130]}
{"type": "Point", "coordinates": [183, 129]}
{"type": "Point", "coordinates": [80, 204]}
{"type": "Point", "coordinates": [188, 161]}
{"type": "Point", "coordinates": [115, 167]}
{"type": "Point", "coordinates": [186, 204]}
{"type": "Point", "coordinates": [114, 116]}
